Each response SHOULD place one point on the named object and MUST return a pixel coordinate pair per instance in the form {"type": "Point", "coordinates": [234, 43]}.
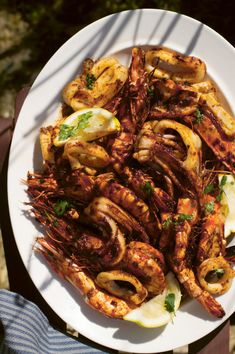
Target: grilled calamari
{"type": "Point", "coordinates": [123, 210]}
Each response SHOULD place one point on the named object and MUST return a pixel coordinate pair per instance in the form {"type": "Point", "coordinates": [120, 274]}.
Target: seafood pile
{"type": "Point", "coordinates": [132, 183]}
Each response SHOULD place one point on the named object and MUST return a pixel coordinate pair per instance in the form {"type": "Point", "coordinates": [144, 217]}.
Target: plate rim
{"type": "Point", "coordinates": [103, 19]}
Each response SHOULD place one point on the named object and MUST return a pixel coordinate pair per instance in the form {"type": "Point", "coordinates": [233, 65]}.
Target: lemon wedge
{"type": "Point", "coordinates": [155, 313]}
{"type": "Point", "coordinates": [87, 124]}
{"type": "Point", "coordinates": [227, 202]}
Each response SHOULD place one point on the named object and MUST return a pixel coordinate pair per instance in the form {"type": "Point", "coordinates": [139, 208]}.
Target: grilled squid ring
{"type": "Point", "coordinates": [223, 282]}
{"type": "Point", "coordinates": [124, 220]}
{"type": "Point", "coordinates": [107, 77]}
{"type": "Point", "coordinates": [203, 87]}
{"type": "Point", "coordinates": [108, 281]}
{"type": "Point", "coordinates": [150, 148]}
{"type": "Point", "coordinates": [80, 153]}
{"type": "Point", "coordinates": [168, 64]}
{"type": "Point", "coordinates": [115, 247]}
{"type": "Point", "coordinates": [46, 143]}
{"type": "Point", "coordinates": [226, 121]}
{"type": "Point", "coordinates": [190, 139]}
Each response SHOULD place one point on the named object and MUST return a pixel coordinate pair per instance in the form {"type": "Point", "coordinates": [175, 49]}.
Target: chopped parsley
{"type": "Point", "coordinates": [222, 184]}
{"type": "Point", "coordinates": [183, 217]}
{"type": "Point", "coordinates": [219, 196]}
{"type": "Point", "coordinates": [167, 223]}
{"type": "Point", "coordinates": [151, 92]}
{"type": "Point", "coordinates": [214, 275]}
{"type": "Point", "coordinates": [219, 272]}
{"type": "Point", "coordinates": [90, 79]}
{"type": "Point", "coordinates": [223, 181]}
{"type": "Point", "coordinates": [209, 207]}
{"type": "Point", "coordinates": [199, 116]}
{"type": "Point", "coordinates": [68, 131]}
{"type": "Point", "coordinates": [84, 120]}
{"type": "Point", "coordinates": [147, 188]}
{"type": "Point", "coordinates": [170, 302]}
{"type": "Point", "coordinates": [55, 223]}
{"type": "Point", "coordinates": [61, 206]}
{"type": "Point", "coordinates": [209, 188]}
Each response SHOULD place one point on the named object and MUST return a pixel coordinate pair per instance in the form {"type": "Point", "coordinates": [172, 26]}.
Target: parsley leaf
{"type": "Point", "coordinates": [223, 181]}
{"type": "Point", "coordinates": [84, 120]}
{"type": "Point", "coordinates": [199, 116]}
{"type": "Point", "coordinates": [90, 79]}
{"type": "Point", "coordinates": [181, 217]}
{"type": "Point", "coordinates": [55, 223]}
{"type": "Point", "coordinates": [67, 131]}
{"type": "Point", "coordinates": [209, 207]}
{"type": "Point", "coordinates": [147, 188]}
{"type": "Point", "coordinates": [222, 184]}
{"type": "Point", "coordinates": [219, 272]}
{"type": "Point", "coordinates": [209, 188]}
{"type": "Point", "coordinates": [61, 206]}
{"type": "Point", "coordinates": [219, 196]}
{"type": "Point", "coordinates": [168, 222]}
{"type": "Point", "coordinates": [185, 217]}
{"type": "Point", "coordinates": [214, 275]}
{"type": "Point", "coordinates": [170, 302]}
{"type": "Point", "coordinates": [151, 92]}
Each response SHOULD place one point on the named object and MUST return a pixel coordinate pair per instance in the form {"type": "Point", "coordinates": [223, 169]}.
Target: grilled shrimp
{"type": "Point", "coordinates": [178, 262]}
{"type": "Point", "coordinates": [188, 280]}
{"type": "Point", "coordinates": [76, 185]}
{"type": "Point", "coordinates": [211, 242]}
{"type": "Point", "coordinates": [144, 187]}
{"type": "Point", "coordinates": [66, 268]}
{"type": "Point", "coordinates": [133, 110]}
{"type": "Point", "coordinates": [151, 251]}
{"type": "Point", "coordinates": [185, 218]}
{"type": "Point", "coordinates": [143, 262]}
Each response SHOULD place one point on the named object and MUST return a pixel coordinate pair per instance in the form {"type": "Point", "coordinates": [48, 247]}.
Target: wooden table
{"type": "Point", "coordinates": [20, 282]}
